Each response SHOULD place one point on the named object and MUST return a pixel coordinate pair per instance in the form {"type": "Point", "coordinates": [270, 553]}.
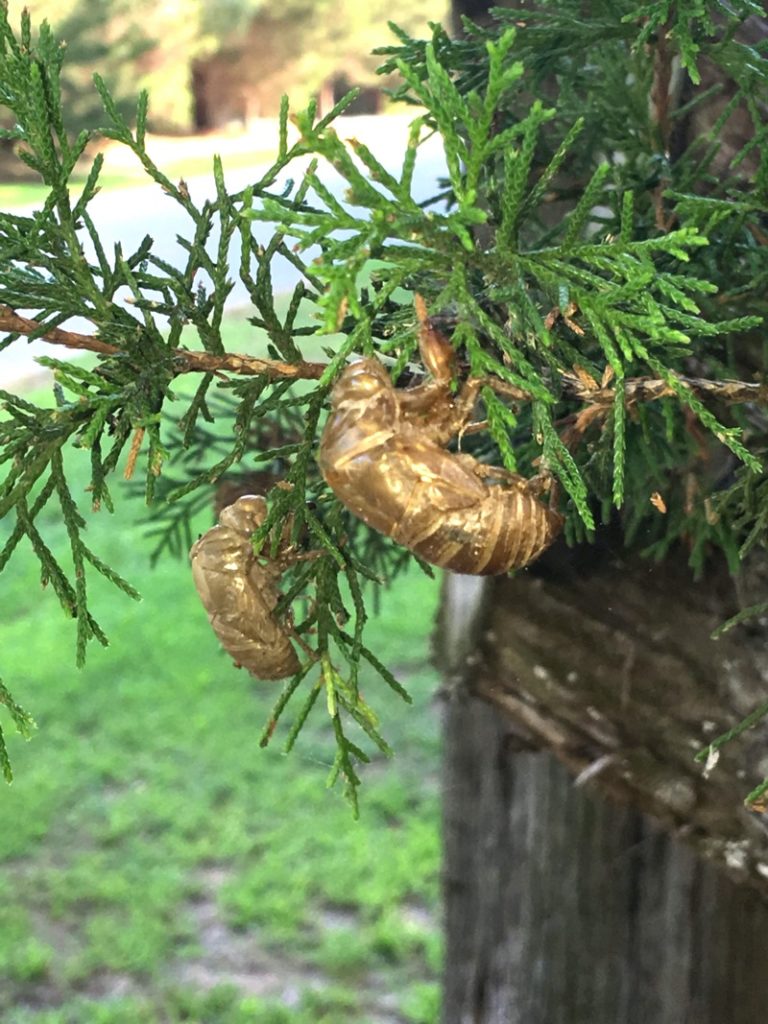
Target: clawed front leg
{"type": "Point", "coordinates": [545, 482]}
{"type": "Point", "coordinates": [290, 557]}
{"type": "Point", "coordinates": [539, 485]}
{"type": "Point", "coordinates": [311, 653]}
{"type": "Point", "coordinates": [435, 413]}
{"type": "Point", "coordinates": [486, 472]}
{"type": "Point", "coordinates": [287, 559]}
{"type": "Point", "coordinates": [431, 407]}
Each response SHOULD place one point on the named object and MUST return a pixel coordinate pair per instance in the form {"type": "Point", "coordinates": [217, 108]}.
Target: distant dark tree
{"type": "Point", "coordinates": [241, 55]}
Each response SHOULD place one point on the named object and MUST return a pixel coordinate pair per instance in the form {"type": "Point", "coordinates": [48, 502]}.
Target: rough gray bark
{"type": "Point", "coordinates": [611, 666]}
{"type": "Point", "coordinates": [562, 906]}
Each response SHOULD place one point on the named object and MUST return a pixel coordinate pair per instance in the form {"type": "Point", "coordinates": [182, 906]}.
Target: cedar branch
{"type": "Point", "coordinates": [186, 362]}
{"type": "Point", "coordinates": [649, 389]}
{"type": "Point", "coordinates": [637, 389]}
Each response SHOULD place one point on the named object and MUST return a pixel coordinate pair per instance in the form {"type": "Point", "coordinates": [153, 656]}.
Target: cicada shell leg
{"type": "Point", "coordinates": [436, 351]}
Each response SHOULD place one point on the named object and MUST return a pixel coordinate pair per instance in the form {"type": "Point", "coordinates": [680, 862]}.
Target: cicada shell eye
{"type": "Point", "coordinates": [246, 515]}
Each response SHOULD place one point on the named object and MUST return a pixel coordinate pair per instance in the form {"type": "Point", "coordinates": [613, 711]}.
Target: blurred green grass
{"type": "Point", "coordinates": [153, 855]}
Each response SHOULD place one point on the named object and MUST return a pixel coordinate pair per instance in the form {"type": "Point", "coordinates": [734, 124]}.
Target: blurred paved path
{"type": "Point", "coordinates": [129, 214]}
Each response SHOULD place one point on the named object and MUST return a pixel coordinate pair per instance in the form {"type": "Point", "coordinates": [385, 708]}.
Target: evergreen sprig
{"type": "Point", "coordinates": [23, 722]}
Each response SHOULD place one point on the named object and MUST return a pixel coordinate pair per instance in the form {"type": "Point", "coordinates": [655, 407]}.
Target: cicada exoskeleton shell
{"type": "Point", "coordinates": [240, 592]}
{"type": "Point", "coordinates": [383, 453]}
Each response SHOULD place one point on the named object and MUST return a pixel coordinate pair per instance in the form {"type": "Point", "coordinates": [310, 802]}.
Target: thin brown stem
{"type": "Point", "coordinates": [637, 389]}
{"type": "Point", "coordinates": [11, 322]}
{"type": "Point", "coordinates": [186, 362]}
{"type": "Point", "coordinates": [649, 389]}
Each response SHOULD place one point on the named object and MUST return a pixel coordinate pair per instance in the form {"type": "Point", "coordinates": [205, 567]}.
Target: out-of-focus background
{"type": "Point", "coordinates": [156, 865]}
{"type": "Point", "coordinates": [216, 74]}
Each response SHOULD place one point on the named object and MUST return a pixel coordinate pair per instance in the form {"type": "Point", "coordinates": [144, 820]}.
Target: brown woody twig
{"type": "Point", "coordinates": [186, 361]}
{"type": "Point", "coordinates": [578, 386]}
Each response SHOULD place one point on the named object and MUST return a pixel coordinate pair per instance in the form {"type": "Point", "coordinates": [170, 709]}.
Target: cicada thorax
{"type": "Point", "coordinates": [364, 414]}
{"type": "Point", "coordinates": [239, 592]}
{"type": "Point", "coordinates": [363, 420]}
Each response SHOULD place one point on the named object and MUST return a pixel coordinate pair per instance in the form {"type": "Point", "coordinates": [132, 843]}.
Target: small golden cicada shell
{"type": "Point", "coordinates": [239, 592]}
{"type": "Point", "coordinates": [383, 453]}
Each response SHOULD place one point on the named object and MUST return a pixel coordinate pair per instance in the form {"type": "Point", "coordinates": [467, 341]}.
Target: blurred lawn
{"type": "Point", "coordinates": [157, 865]}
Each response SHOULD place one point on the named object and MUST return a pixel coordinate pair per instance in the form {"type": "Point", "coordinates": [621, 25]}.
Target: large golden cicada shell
{"type": "Point", "coordinates": [239, 592]}
{"type": "Point", "coordinates": [383, 454]}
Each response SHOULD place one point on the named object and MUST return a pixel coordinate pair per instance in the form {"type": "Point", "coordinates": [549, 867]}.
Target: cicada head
{"type": "Point", "coordinates": [363, 402]}
{"type": "Point", "coordinates": [246, 515]}
{"type": "Point", "coordinates": [360, 382]}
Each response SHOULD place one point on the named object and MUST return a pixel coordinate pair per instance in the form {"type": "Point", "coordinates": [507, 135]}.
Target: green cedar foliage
{"type": "Point", "coordinates": [97, 34]}
{"type": "Point", "coordinates": [569, 242]}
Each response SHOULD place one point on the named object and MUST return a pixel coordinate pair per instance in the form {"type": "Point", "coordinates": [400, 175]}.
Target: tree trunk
{"type": "Point", "coordinates": [592, 873]}
{"type": "Point", "coordinates": [563, 906]}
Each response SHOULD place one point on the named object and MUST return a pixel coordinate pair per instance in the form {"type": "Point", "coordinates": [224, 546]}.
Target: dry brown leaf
{"type": "Point", "coordinates": [658, 502]}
